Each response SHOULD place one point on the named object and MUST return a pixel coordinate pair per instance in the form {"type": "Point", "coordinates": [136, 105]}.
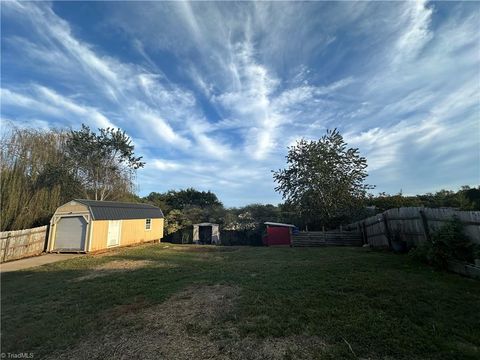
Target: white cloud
{"type": "Point", "coordinates": [156, 125]}
{"type": "Point", "coordinates": [47, 102]}
{"type": "Point", "coordinates": [415, 20]}
{"type": "Point", "coordinates": [15, 99]}
{"type": "Point", "coordinates": [383, 146]}
{"type": "Point", "coordinates": [119, 82]}
{"type": "Point", "coordinates": [162, 164]}
{"type": "Point", "coordinates": [61, 102]}
{"type": "Point", "coordinates": [234, 94]}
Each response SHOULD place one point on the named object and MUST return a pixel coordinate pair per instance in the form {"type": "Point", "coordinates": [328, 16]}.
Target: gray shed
{"type": "Point", "coordinates": [206, 233]}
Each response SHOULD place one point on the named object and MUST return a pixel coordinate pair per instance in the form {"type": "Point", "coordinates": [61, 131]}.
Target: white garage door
{"type": "Point", "coordinates": [70, 234]}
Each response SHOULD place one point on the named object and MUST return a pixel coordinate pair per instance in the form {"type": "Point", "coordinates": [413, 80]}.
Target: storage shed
{"type": "Point", "coordinates": [206, 233]}
{"type": "Point", "coordinates": [278, 234]}
{"type": "Point", "coordinates": [89, 225]}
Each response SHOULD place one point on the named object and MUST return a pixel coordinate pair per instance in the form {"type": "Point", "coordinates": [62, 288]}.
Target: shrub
{"type": "Point", "coordinates": [448, 243]}
{"type": "Point", "coordinates": [420, 252]}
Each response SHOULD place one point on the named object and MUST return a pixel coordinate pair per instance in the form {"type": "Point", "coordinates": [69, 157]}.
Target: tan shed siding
{"type": "Point", "coordinates": [132, 232]}
{"type": "Point", "coordinates": [72, 207]}
{"type": "Point", "coordinates": [99, 235]}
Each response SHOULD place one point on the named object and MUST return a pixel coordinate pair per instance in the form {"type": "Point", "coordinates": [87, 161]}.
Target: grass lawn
{"type": "Point", "coordinates": [185, 302]}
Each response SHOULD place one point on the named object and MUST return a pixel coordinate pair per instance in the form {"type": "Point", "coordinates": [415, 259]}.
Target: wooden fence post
{"type": "Point", "coordinates": [47, 233]}
{"type": "Point", "coordinates": [359, 230]}
{"type": "Point", "coordinates": [426, 230]}
{"type": "Point", "coordinates": [365, 233]}
{"type": "Point", "coordinates": [387, 230]}
{"type": "Point", "coordinates": [5, 250]}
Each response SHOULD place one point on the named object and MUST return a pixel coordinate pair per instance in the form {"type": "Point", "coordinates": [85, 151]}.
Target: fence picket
{"type": "Point", "coordinates": [322, 238]}
{"type": "Point", "coordinates": [22, 243]}
{"type": "Point", "coordinates": [414, 224]}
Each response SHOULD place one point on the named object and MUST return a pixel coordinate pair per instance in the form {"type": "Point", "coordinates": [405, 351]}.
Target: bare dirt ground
{"type": "Point", "coordinates": [189, 325]}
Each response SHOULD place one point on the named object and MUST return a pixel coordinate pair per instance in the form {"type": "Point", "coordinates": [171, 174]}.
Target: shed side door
{"type": "Point", "coordinates": [215, 235]}
{"type": "Point", "coordinates": [71, 233]}
{"type": "Point", "coordinates": [114, 227]}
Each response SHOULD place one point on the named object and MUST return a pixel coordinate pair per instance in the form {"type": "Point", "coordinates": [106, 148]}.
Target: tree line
{"type": "Point", "coordinates": [323, 184]}
{"type": "Point", "coordinates": [183, 208]}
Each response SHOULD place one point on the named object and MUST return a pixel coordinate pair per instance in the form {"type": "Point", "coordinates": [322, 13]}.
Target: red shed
{"type": "Point", "coordinates": [278, 234]}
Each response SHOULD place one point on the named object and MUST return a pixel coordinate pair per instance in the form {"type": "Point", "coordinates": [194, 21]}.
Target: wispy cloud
{"type": "Point", "coordinates": [163, 106]}
{"type": "Point", "coordinates": [213, 93]}
{"type": "Point", "coordinates": [416, 20]}
{"type": "Point", "coordinates": [47, 102]}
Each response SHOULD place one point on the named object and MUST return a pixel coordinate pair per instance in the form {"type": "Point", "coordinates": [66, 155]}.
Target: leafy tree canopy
{"type": "Point", "coordinates": [324, 180]}
{"type": "Point", "coordinates": [104, 162]}
{"type": "Point", "coordinates": [466, 198]}
{"type": "Point", "coordinates": [180, 199]}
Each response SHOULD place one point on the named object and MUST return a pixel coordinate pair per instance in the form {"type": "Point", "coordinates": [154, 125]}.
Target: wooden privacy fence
{"type": "Point", "coordinates": [323, 238]}
{"type": "Point", "coordinates": [412, 225]}
{"type": "Point", "coordinates": [22, 243]}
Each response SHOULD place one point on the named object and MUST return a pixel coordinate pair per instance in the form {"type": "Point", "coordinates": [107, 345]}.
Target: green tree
{"type": "Point", "coordinates": [104, 163]}
{"type": "Point", "coordinates": [182, 199]}
{"type": "Point", "coordinates": [191, 197]}
{"type": "Point", "coordinates": [251, 216]}
{"type": "Point", "coordinates": [384, 201]}
{"type": "Point", "coordinates": [466, 198]}
{"type": "Point", "coordinates": [324, 180]}
{"type": "Point", "coordinates": [159, 200]}
{"type": "Point", "coordinates": [35, 177]}
{"type": "Point", "coordinates": [183, 208]}
{"type": "Point", "coordinates": [174, 221]}
{"type": "Point", "coordinates": [472, 195]}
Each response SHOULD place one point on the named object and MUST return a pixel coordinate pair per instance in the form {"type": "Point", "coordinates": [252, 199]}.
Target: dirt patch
{"type": "Point", "coordinates": [124, 264]}
{"type": "Point", "coordinates": [189, 325]}
{"type": "Point", "coordinates": [119, 266]}
{"type": "Point", "coordinates": [119, 250]}
{"type": "Point", "coordinates": [200, 248]}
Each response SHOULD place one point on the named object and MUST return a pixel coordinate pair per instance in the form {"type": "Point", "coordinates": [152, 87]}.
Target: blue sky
{"type": "Point", "coordinates": [214, 93]}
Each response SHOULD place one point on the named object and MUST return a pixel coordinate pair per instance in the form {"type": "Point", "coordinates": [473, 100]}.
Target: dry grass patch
{"type": "Point", "coordinates": [124, 265]}
{"type": "Point", "coordinates": [200, 248]}
{"type": "Point", "coordinates": [171, 330]}
{"type": "Point", "coordinates": [118, 266]}
{"type": "Point", "coordinates": [189, 325]}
